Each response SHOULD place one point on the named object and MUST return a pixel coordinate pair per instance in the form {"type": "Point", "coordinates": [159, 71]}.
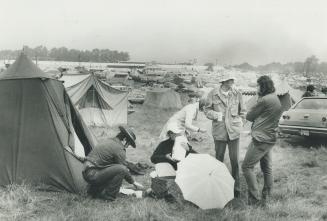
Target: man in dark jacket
{"type": "Point", "coordinates": [105, 167]}
{"type": "Point", "coordinates": [265, 115]}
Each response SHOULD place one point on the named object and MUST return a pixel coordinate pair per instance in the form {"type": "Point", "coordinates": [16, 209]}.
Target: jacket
{"type": "Point", "coordinates": [265, 115]}
{"type": "Point", "coordinates": [184, 119]}
{"type": "Point", "coordinates": [233, 112]}
{"type": "Point", "coordinates": [164, 148]}
{"type": "Point", "coordinates": [106, 153]}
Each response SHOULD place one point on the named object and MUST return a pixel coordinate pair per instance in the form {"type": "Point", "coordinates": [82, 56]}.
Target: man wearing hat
{"type": "Point", "coordinates": [226, 110]}
{"type": "Point", "coordinates": [105, 166]}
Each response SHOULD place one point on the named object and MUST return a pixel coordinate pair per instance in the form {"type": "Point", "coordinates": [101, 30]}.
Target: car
{"type": "Point", "coordinates": [308, 117]}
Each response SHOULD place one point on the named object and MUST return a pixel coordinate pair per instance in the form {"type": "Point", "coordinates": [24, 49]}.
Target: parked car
{"type": "Point", "coordinates": [305, 118]}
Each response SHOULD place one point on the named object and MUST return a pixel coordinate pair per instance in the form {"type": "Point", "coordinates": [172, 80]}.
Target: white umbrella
{"type": "Point", "coordinates": [205, 181]}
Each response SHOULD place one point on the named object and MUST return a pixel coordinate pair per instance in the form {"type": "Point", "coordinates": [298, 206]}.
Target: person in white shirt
{"type": "Point", "coordinates": [184, 121]}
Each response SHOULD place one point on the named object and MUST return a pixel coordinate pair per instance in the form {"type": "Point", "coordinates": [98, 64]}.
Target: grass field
{"type": "Point", "coordinates": [300, 186]}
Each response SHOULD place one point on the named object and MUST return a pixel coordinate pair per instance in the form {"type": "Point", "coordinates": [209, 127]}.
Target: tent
{"type": "Point", "coordinates": [162, 98]}
{"type": "Point", "coordinates": [98, 103]}
{"type": "Point", "coordinates": [72, 79]}
{"type": "Point", "coordinates": [38, 129]}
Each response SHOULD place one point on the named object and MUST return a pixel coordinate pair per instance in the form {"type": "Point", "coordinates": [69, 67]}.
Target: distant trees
{"type": "Point", "coordinates": [310, 66]}
{"type": "Point", "coordinates": [244, 66]}
{"type": "Point", "coordinates": [65, 54]}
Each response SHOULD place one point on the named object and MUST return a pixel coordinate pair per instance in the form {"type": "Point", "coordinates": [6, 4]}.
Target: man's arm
{"type": "Point", "coordinates": [256, 110]}
{"type": "Point", "coordinates": [190, 113]}
{"type": "Point", "coordinates": [160, 156]}
{"type": "Point", "coordinates": [241, 107]}
{"type": "Point", "coordinates": [208, 108]}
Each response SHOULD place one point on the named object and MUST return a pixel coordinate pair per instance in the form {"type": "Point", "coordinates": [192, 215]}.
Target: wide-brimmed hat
{"type": "Point", "coordinates": [226, 77]}
{"type": "Point", "coordinates": [129, 135]}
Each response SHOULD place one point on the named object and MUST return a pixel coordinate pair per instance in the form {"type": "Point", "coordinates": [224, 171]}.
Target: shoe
{"type": "Point", "coordinates": [106, 197]}
{"type": "Point", "coordinates": [252, 201]}
{"type": "Point", "coordinates": [148, 193]}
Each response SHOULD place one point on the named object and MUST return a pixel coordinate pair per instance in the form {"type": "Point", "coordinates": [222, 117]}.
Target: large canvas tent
{"type": "Point", "coordinates": [38, 129]}
{"type": "Point", "coordinates": [98, 103]}
{"type": "Point", "coordinates": [162, 98]}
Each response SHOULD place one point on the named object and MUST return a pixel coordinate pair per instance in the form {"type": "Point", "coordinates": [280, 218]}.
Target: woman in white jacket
{"type": "Point", "coordinates": [184, 121]}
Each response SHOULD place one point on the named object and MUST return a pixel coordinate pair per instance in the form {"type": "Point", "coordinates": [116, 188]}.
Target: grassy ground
{"type": "Point", "coordinates": [300, 186]}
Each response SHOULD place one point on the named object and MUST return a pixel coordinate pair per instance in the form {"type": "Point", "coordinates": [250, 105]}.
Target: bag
{"type": "Point", "coordinates": [160, 185]}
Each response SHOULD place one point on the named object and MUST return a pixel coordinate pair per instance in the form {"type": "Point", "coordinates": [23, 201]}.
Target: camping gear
{"type": "Point", "coordinates": [137, 168]}
{"type": "Point", "coordinates": [163, 98]}
{"type": "Point", "coordinates": [205, 181]}
{"type": "Point", "coordinates": [166, 187]}
{"type": "Point", "coordinates": [99, 104]}
{"type": "Point", "coordinates": [38, 125]}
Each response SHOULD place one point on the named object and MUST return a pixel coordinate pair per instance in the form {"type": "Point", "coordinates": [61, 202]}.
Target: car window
{"type": "Point", "coordinates": [312, 104]}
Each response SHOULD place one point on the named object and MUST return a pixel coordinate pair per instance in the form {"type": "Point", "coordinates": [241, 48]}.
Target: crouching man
{"type": "Point", "coordinates": [105, 166]}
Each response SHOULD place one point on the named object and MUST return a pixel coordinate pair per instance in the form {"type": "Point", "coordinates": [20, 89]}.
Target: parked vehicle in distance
{"type": "Point", "coordinates": [308, 117]}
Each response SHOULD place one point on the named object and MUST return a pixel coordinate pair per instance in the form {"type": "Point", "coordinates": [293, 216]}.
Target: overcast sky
{"type": "Point", "coordinates": [255, 31]}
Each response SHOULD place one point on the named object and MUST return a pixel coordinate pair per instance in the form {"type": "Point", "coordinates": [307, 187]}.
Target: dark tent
{"type": "Point", "coordinates": [38, 123]}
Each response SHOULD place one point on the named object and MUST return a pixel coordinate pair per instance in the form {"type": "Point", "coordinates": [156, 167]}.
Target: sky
{"type": "Point", "coordinates": [226, 32]}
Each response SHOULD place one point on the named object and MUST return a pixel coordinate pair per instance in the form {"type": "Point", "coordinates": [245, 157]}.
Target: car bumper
{"type": "Point", "coordinates": [302, 131]}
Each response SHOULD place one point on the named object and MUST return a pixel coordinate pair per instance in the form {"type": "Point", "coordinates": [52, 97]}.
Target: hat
{"type": "Point", "coordinates": [173, 127]}
{"type": "Point", "coordinates": [129, 135]}
{"type": "Point", "coordinates": [226, 77]}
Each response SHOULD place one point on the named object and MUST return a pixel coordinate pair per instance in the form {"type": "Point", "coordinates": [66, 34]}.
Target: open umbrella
{"type": "Point", "coordinates": [205, 181]}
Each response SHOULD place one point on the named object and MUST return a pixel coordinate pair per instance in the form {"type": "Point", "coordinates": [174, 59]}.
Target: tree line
{"type": "Point", "coordinates": [310, 65]}
{"type": "Point", "coordinates": [65, 54]}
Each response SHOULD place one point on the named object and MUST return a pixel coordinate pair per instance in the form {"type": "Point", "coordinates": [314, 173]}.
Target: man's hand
{"type": "Point", "coordinates": [202, 130]}
{"type": "Point", "coordinates": [168, 156]}
{"type": "Point", "coordinates": [138, 186]}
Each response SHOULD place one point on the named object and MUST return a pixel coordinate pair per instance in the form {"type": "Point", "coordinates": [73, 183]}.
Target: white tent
{"type": "Point", "coordinates": [98, 103]}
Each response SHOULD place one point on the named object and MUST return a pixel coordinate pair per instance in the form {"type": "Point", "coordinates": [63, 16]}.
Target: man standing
{"type": "Point", "coordinates": [224, 106]}
{"type": "Point", "coordinates": [105, 166]}
{"type": "Point", "coordinates": [265, 115]}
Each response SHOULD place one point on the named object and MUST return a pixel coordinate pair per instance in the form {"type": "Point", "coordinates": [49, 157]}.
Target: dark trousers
{"type": "Point", "coordinates": [258, 152]}
{"type": "Point", "coordinates": [233, 148]}
{"type": "Point", "coordinates": [106, 180]}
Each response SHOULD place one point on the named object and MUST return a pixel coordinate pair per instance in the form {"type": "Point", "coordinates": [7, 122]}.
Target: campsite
{"type": "Point", "coordinates": [163, 110]}
{"type": "Point", "coordinates": [299, 164]}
